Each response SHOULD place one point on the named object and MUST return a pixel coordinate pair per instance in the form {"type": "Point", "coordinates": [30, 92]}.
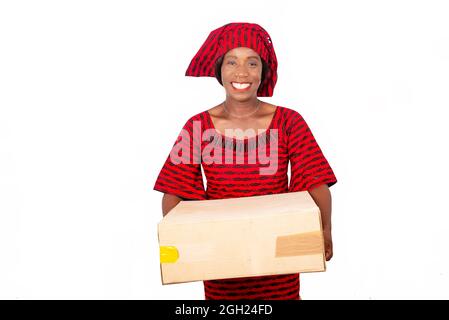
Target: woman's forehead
{"type": "Point", "coordinates": [242, 52]}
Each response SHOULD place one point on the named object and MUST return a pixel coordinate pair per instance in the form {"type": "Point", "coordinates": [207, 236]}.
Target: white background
{"type": "Point", "coordinates": [93, 95]}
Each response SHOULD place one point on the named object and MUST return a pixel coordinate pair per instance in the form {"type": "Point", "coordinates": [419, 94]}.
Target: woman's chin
{"type": "Point", "coordinates": [241, 96]}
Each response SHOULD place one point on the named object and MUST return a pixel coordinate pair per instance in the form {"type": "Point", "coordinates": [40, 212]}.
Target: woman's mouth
{"type": "Point", "coordinates": [241, 86]}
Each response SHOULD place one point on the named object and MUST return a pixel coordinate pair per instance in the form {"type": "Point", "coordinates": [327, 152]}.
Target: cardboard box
{"type": "Point", "coordinates": [241, 237]}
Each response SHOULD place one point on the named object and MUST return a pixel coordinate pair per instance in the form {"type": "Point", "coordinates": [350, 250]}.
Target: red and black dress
{"type": "Point", "coordinates": [295, 143]}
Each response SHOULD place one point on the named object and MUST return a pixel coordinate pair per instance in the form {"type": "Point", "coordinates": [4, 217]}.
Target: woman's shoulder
{"type": "Point", "coordinates": [200, 116]}
{"type": "Point", "coordinates": [292, 120]}
{"type": "Point", "coordinates": [289, 112]}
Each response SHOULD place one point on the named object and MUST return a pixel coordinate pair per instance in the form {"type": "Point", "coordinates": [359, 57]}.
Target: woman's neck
{"type": "Point", "coordinates": [240, 109]}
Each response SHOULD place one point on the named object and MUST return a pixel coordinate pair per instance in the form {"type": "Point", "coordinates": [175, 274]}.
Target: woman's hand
{"type": "Point", "coordinates": [169, 201]}
{"type": "Point", "coordinates": [328, 244]}
{"type": "Point", "coordinates": [322, 197]}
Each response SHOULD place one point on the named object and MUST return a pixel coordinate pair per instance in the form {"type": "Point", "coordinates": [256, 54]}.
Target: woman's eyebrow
{"type": "Point", "coordinates": [246, 58]}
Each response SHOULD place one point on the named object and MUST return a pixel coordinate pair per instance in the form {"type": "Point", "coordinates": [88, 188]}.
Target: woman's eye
{"type": "Point", "coordinates": [231, 62]}
{"type": "Point", "coordinates": [253, 63]}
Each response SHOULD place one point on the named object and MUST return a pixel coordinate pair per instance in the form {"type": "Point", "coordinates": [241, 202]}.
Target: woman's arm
{"type": "Point", "coordinates": [322, 197]}
{"type": "Point", "coordinates": [169, 201]}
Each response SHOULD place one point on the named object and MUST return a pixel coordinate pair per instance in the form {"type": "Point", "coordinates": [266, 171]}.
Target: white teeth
{"type": "Point", "coordinates": [240, 85]}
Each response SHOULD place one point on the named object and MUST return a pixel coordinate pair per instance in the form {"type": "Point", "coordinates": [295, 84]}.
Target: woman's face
{"type": "Point", "coordinates": [241, 73]}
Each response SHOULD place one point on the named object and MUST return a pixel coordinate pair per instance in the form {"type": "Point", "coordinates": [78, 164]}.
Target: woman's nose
{"type": "Point", "coordinates": [241, 72]}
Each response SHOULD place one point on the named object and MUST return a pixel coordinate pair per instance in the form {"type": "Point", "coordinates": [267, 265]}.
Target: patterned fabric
{"type": "Point", "coordinates": [231, 36]}
{"type": "Point", "coordinates": [296, 143]}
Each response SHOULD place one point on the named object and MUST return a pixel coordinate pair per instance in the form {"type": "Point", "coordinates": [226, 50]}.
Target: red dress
{"type": "Point", "coordinates": [295, 143]}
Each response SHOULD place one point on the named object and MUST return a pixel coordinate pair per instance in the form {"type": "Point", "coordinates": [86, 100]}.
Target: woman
{"type": "Point", "coordinates": [233, 134]}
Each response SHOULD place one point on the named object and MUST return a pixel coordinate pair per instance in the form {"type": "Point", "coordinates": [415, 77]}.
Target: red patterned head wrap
{"type": "Point", "coordinates": [230, 36]}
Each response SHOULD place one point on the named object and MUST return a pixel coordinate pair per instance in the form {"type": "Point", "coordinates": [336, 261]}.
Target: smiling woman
{"type": "Point", "coordinates": [241, 71]}
{"type": "Point", "coordinates": [242, 58]}
{"type": "Point", "coordinates": [219, 63]}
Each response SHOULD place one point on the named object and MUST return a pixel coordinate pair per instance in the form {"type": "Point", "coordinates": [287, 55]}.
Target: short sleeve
{"type": "Point", "coordinates": [181, 173]}
{"type": "Point", "coordinates": [309, 167]}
